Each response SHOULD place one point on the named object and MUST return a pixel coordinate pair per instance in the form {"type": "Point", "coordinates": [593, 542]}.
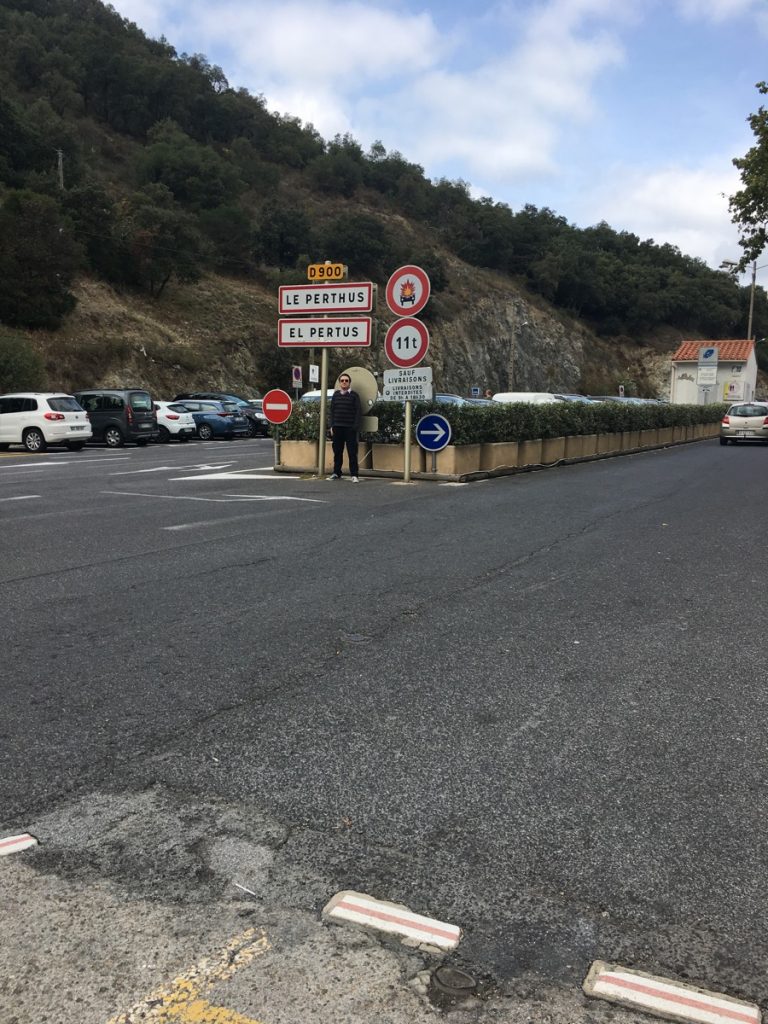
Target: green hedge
{"type": "Point", "coordinates": [521, 421]}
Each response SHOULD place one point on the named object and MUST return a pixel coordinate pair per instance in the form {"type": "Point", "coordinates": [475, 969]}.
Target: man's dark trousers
{"type": "Point", "coordinates": [345, 436]}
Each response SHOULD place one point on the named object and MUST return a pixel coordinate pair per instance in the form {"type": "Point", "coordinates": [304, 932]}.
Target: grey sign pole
{"type": "Point", "coordinates": [407, 443]}
{"type": "Point", "coordinates": [323, 414]}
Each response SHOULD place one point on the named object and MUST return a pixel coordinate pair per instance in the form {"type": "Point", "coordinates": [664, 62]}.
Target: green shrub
{"type": "Point", "coordinates": [518, 421]}
{"type": "Point", "coordinates": [21, 369]}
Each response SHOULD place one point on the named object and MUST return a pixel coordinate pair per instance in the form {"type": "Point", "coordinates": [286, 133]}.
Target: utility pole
{"type": "Point", "coordinates": [60, 166]}
{"type": "Point", "coordinates": [752, 300]}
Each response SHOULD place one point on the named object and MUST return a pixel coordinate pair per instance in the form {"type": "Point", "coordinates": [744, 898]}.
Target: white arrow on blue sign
{"type": "Point", "coordinates": [433, 432]}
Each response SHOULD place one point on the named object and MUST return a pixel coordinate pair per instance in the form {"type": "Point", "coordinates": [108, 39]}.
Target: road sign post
{"type": "Point", "coordinates": [277, 407]}
{"type": "Point", "coordinates": [433, 432]}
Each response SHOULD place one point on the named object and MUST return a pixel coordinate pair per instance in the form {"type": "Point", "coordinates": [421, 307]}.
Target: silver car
{"type": "Point", "coordinates": [745, 421]}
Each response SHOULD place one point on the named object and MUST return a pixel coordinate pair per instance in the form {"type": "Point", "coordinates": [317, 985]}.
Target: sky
{"type": "Point", "coordinates": [627, 111]}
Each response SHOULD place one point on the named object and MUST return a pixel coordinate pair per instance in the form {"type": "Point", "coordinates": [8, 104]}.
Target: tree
{"type": "Point", "coordinates": [158, 241]}
{"type": "Point", "coordinates": [38, 260]}
{"type": "Point", "coordinates": [196, 175]}
{"type": "Point", "coordinates": [361, 241]}
{"type": "Point", "coordinates": [284, 233]}
{"type": "Point", "coordinates": [749, 206]}
{"type": "Point", "coordinates": [21, 369]}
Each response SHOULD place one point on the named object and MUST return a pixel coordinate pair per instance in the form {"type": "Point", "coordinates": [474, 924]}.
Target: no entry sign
{"type": "Point", "coordinates": [277, 406]}
{"type": "Point", "coordinates": [406, 342]}
{"type": "Point", "coordinates": [408, 290]}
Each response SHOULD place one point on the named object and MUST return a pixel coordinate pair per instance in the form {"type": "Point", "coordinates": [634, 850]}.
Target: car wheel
{"type": "Point", "coordinates": [252, 429]}
{"type": "Point", "coordinates": [34, 440]}
{"type": "Point", "coordinates": [205, 432]}
{"type": "Point", "coordinates": [165, 435]}
{"type": "Point", "coordinates": [113, 437]}
{"type": "Point", "coordinates": [76, 446]}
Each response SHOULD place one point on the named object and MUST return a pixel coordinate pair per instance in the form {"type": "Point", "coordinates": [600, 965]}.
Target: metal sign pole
{"type": "Point", "coordinates": [323, 411]}
{"type": "Point", "coordinates": [407, 452]}
{"type": "Point", "coordinates": [277, 445]}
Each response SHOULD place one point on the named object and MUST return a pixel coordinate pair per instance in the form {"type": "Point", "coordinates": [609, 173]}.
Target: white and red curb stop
{"type": "Point", "coordinates": [357, 908]}
{"type": "Point", "coordinates": [15, 844]}
{"type": "Point", "coordinates": [670, 999]}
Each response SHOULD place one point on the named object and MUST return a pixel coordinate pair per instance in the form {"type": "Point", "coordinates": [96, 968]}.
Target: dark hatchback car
{"type": "Point", "coordinates": [257, 423]}
{"type": "Point", "coordinates": [120, 415]}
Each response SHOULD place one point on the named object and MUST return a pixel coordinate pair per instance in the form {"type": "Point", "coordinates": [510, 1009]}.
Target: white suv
{"type": "Point", "coordinates": [37, 420]}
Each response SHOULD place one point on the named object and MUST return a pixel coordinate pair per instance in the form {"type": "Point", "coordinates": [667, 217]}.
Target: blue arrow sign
{"type": "Point", "coordinates": [433, 432]}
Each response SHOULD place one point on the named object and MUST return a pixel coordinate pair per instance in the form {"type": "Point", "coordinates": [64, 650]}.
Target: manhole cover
{"type": "Point", "coordinates": [449, 986]}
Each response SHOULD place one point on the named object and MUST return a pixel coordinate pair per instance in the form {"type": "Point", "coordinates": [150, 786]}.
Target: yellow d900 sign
{"type": "Point", "coordinates": [327, 272]}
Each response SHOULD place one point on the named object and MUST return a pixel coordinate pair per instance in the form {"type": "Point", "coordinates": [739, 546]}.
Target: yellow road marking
{"type": "Point", "coordinates": [181, 1002]}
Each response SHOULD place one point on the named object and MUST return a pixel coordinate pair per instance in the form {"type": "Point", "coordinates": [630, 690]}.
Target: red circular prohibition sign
{"type": "Point", "coordinates": [408, 290]}
{"type": "Point", "coordinates": [277, 405]}
{"type": "Point", "coordinates": [406, 342]}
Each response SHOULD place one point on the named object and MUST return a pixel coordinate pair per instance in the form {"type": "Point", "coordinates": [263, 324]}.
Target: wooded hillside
{"type": "Point", "coordinates": [126, 163]}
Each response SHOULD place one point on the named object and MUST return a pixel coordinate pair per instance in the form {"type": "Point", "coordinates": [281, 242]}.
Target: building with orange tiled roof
{"type": "Point", "coordinates": [713, 371]}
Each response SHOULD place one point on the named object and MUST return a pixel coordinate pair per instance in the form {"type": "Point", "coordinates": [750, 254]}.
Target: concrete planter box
{"type": "Point", "coordinates": [298, 454]}
{"type": "Point", "coordinates": [529, 453]}
{"type": "Point", "coordinates": [608, 443]}
{"type": "Point", "coordinates": [630, 439]}
{"type": "Point", "coordinates": [589, 445]}
{"type": "Point", "coordinates": [574, 446]}
{"type": "Point", "coordinates": [498, 455]}
{"type": "Point", "coordinates": [666, 435]}
{"type": "Point", "coordinates": [649, 438]}
{"type": "Point", "coordinates": [678, 434]}
{"type": "Point", "coordinates": [303, 455]}
{"type": "Point", "coordinates": [390, 458]}
{"type": "Point", "coordinates": [457, 459]}
{"type": "Point", "coordinates": [552, 450]}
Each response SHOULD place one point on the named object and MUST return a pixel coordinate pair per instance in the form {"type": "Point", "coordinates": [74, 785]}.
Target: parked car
{"type": "Point", "coordinates": [255, 421]}
{"type": "Point", "coordinates": [625, 399]}
{"type": "Point", "coordinates": [314, 396]}
{"type": "Point", "coordinates": [534, 397]}
{"type": "Point", "coordinates": [480, 401]}
{"type": "Point", "coordinates": [119, 415]}
{"type": "Point", "coordinates": [174, 421]}
{"type": "Point", "coordinates": [37, 419]}
{"type": "Point", "coordinates": [264, 426]}
{"type": "Point", "coordinates": [445, 399]}
{"type": "Point", "coordinates": [576, 398]}
{"type": "Point", "coordinates": [745, 421]}
{"type": "Point", "coordinates": [217, 419]}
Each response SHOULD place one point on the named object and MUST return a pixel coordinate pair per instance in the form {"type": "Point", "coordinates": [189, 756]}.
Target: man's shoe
{"type": "Point", "coordinates": [334, 476]}
{"type": "Point", "coordinates": [354, 479]}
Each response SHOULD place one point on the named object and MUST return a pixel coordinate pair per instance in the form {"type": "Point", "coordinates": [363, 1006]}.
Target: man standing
{"type": "Point", "coordinates": [346, 419]}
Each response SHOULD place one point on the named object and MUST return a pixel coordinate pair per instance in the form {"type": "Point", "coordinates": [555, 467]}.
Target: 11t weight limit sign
{"type": "Point", "coordinates": [406, 342]}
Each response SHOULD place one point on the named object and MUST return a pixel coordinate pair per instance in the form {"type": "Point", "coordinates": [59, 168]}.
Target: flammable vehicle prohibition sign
{"type": "Point", "coordinates": [406, 342]}
{"type": "Point", "coordinates": [408, 290]}
{"type": "Point", "coordinates": [277, 405]}
{"type": "Point", "coordinates": [433, 432]}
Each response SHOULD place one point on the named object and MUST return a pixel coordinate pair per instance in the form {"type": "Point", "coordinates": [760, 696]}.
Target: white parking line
{"type": "Point", "coordinates": [232, 500]}
{"type": "Point", "coordinates": [239, 474]}
{"type": "Point", "coordinates": [21, 497]}
{"type": "Point", "coordinates": [665, 998]}
{"type": "Point", "coordinates": [206, 522]}
{"type": "Point", "coordinates": [153, 469]}
{"type": "Point", "coordinates": [277, 497]}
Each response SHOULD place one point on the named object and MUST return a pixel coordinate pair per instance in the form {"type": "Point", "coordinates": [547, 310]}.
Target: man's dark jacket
{"type": "Point", "coordinates": [346, 410]}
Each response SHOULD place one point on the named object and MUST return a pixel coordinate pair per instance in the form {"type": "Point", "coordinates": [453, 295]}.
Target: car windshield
{"type": "Point", "coordinates": [748, 410]}
{"type": "Point", "coordinates": [65, 405]}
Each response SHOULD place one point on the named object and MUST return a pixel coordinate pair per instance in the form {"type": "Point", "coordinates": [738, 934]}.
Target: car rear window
{"type": "Point", "coordinates": [748, 410]}
{"type": "Point", "coordinates": [65, 404]}
{"type": "Point", "coordinates": [231, 406]}
{"type": "Point", "coordinates": [141, 401]}
{"type": "Point", "coordinates": [178, 408]}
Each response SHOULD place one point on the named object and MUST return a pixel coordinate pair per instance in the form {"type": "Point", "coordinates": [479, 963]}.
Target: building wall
{"type": "Point", "coordinates": [736, 381]}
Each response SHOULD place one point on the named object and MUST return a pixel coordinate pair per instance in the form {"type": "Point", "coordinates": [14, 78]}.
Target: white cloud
{"type": "Point", "coordinates": [719, 10]}
{"type": "Point", "coordinates": [686, 207]}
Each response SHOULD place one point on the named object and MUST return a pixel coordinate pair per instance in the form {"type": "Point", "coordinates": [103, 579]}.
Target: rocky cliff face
{"type": "Point", "coordinates": [221, 333]}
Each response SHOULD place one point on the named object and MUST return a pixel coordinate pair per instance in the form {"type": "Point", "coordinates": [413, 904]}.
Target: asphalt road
{"type": "Point", "coordinates": [532, 706]}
